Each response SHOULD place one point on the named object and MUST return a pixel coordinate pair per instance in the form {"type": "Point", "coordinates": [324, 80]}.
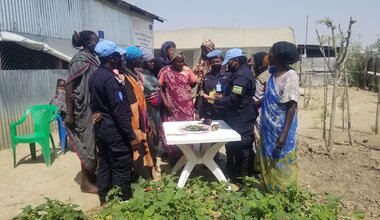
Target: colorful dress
{"type": "Point", "coordinates": [153, 101]}
{"type": "Point", "coordinates": [278, 167]}
{"type": "Point", "coordinates": [177, 90]}
{"type": "Point", "coordinates": [81, 138]}
{"type": "Point", "coordinates": [142, 159]}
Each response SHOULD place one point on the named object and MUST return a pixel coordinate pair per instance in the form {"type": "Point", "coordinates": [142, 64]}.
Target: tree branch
{"type": "Point", "coordinates": [332, 28]}
{"type": "Point", "coordinates": [341, 49]}
{"type": "Point", "coordinates": [347, 40]}
{"type": "Point", "coordinates": [323, 51]}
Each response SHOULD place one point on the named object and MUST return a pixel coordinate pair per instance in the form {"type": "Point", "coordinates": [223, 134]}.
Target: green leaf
{"type": "Point", "coordinates": [357, 215]}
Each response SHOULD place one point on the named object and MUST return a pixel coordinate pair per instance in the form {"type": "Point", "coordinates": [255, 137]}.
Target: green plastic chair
{"type": "Point", "coordinates": [42, 116]}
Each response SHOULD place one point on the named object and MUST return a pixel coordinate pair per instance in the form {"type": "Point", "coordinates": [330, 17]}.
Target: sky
{"type": "Point", "coordinates": [269, 14]}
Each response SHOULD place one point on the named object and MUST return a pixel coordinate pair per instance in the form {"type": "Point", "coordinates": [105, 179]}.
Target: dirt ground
{"type": "Point", "coordinates": [349, 172]}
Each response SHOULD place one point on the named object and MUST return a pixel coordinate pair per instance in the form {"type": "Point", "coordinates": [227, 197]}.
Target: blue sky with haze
{"type": "Point", "coordinates": [269, 14]}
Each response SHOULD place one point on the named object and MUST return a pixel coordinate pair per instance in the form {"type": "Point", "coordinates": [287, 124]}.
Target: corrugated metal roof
{"type": "Point", "coordinates": [134, 8]}
{"type": "Point", "coordinates": [59, 18]}
{"type": "Point", "coordinates": [47, 18]}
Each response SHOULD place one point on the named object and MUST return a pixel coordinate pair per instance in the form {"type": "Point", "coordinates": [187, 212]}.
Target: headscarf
{"type": "Point", "coordinates": [147, 54]}
{"type": "Point", "coordinates": [209, 45]}
{"type": "Point", "coordinates": [132, 53]}
{"type": "Point", "coordinates": [285, 52]}
{"type": "Point", "coordinates": [261, 60]}
{"type": "Point", "coordinates": [203, 66]}
{"type": "Point", "coordinates": [164, 54]}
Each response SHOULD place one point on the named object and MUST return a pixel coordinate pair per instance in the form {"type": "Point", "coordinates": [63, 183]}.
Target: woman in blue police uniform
{"type": "Point", "coordinates": [240, 112]}
{"type": "Point", "coordinates": [114, 135]}
{"type": "Point", "coordinates": [214, 82]}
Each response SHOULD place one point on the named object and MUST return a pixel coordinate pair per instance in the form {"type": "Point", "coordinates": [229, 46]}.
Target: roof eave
{"type": "Point", "coordinates": [128, 6]}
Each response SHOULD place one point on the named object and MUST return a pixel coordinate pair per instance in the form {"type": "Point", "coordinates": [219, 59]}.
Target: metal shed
{"type": "Point", "coordinates": [35, 46]}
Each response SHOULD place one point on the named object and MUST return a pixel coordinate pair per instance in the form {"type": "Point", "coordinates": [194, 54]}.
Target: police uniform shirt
{"type": "Point", "coordinates": [238, 101]}
{"type": "Point", "coordinates": [108, 98]}
{"type": "Point", "coordinates": [212, 83]}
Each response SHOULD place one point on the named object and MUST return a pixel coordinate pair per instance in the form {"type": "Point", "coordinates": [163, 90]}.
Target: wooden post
{"type": "Point", "coordinates": [348, 110]}
{"type": "Point", "coordinates": [333, 111]}
{"type": "Point", "coordinates": [325, 93]}
{"type": "Point", "coordinates": [378, 107]}
{"type": "Point", "coordinates": [343, 108]}
{"type": "Point", "coordinates": [377, 122]}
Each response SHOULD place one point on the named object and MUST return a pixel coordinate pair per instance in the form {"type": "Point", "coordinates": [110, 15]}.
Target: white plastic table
{"type": "Point", "coordinates": [187, 144]}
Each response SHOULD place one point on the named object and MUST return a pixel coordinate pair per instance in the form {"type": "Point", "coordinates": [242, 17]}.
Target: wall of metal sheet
{"type": "Point", "coordinates": [59, 18]}
{"type": "Point", "coordinates": [20, 89]}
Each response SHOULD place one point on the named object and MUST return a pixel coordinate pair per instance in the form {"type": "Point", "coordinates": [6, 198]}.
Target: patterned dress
{"type": "Point", "coordinates": [153, 101]}
{"type": "Point", "coordinates": [142, 158]}
{"type": "Point", "coordinates": [278, 167]}
{"type": "Point", "coordinates": [81, 138]}
{"type": "Point", "coordinates": [177, 90]}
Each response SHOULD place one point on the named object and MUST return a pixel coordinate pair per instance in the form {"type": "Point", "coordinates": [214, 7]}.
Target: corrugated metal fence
{"type": "Point", "coordinates": [20, 89]}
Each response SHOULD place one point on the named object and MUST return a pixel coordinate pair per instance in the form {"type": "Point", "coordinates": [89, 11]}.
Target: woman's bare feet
{"type": "Point", "coordinates": [88, 184]}
{"type": "Point", "coordinates": [89, 188]}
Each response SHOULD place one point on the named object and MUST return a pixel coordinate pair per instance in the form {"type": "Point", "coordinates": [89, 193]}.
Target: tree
{"type": "Point", "coordinates": [357, 61]}
{"type": "Point", "coordinates": [336, 69]}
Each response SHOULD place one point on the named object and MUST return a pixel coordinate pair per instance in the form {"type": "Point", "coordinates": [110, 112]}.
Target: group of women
{"type": "Point", "coordinates": [160, 90]}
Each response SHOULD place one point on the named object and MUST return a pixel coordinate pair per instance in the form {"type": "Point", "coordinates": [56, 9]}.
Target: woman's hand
{"type": "Point", "coordinates": [291, 107]}
{"type": "Point", "coordinates": [136, 144]}
{"type": "Point", "coordinates": [281, 142]}
{"type": "Point", "coordinates": [96, 117]}
{"type": "Point", "coordinates": [69, 121]}
{"type": "Point", "coordinates": [208, 97]}
{"type": "Point", "coordinates": [72, 97]}
{"type": "Point", "coordinates": [201, 93]}
{"type": "Point", "coordinates": [170, 108]}
{"type": "Point", "coordinates": [121, 77]}
{"type": "Point", "coordinates": [196, 117]}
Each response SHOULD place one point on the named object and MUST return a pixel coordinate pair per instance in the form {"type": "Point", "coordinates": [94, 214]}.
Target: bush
{"type": "Point", "coordinates": [199, 200]}
{"type": "Point", "coordinates": [51, 210]}
{"type": "Point", "coordinates": [211, 200]}
{"type": "Point", "coordinates": [356, 63]}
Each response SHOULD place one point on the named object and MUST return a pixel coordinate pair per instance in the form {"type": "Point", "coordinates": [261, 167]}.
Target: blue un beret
{"type": "Point", "coordinates": [214, 54]}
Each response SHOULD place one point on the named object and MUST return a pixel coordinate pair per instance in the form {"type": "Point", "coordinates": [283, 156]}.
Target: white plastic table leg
{"type": "Point", "coordinates": [197, 147]}
{"type": "Point", "coordinates": [185, 173]}
{"type": "Point", "coordinates": [191, 160]}
{"type": "Point", "coordinates": [208, 160]}
{"type": "Point", "coordinates": [191, 157]}
{"type": "Point", "coordinates": [180, 163]}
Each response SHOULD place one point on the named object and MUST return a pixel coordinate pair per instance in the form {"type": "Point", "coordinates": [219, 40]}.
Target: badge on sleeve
{"type": "Point", "coordinates": [119, 96]}
{"type": "Point", "coordinates": [237, 89]}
